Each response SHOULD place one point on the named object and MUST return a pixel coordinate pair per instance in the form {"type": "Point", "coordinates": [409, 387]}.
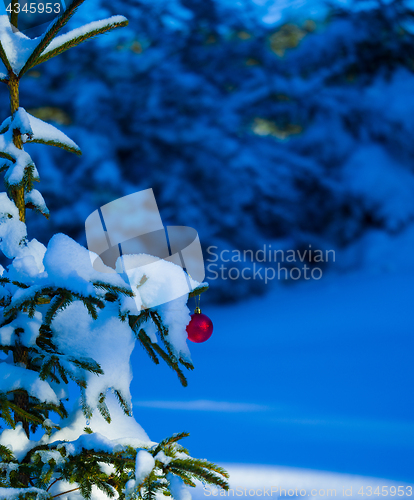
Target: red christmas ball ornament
{"type": "Point", "coordinates": [200, 328]}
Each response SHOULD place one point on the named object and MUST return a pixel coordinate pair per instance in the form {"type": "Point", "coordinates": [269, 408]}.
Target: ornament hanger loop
{"type": "Point", "coordinates": [197, 303]}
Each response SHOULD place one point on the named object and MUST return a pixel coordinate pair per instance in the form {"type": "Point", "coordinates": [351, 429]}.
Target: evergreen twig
{"type": "Point", "coordinates": [45, 56]}
{"type": "Point", "coordinates": [51, 32]}
{"type": "Point", "coordinates": [61, 145]}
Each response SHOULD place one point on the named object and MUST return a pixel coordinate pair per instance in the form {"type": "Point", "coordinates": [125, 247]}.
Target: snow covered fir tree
{"type": "Point", "coordinates": [63, 322]}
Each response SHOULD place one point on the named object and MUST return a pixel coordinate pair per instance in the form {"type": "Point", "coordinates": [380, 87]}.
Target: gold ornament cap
{"type": "Point", "coordinates": [197, 310]}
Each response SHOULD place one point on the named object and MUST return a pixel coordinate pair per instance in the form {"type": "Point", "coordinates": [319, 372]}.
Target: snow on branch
{"type": "Point", "coordinates": [48, 36]}
{"type": "Point", "coordinates": [20, 493]}
{"type": "Point", "coordinates": [61, 43]}
{"type": "Point", "coordinates": [35, 130]}
{"type": "Point", "coordinates": [20, 166]}
{"type": "Point", "coordinates": [20, 162]}
{"type": "Point", "coordinates": [15, 47]}
{"type": "Point", "coordinates": [75, 37]}
{"type": "Point", "coordinates": [14, 378]}
{"type": "Point", "coordinates": [44, 133]}
{"type": "Point", "coordinates": [34, 199]}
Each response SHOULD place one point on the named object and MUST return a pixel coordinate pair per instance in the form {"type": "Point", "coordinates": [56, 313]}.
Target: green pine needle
{"type": "Point", "coordinates": [147, 345]}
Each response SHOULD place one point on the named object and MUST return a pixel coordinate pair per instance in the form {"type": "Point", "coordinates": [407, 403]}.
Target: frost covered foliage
{"type": "Point", "coordinates": [61, 320]}
{"type": "Point", "coordinates": [250, 133]}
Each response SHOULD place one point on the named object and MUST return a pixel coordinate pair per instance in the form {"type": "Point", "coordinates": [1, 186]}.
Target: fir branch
{"type": "Point", "coordinates": [113, 288]}
{"type": "Point", "coordinates": [185, 477]}
{"type": "Point", "coordinates": [135, 322]}
{"type": "Point", "coordinates": [62, 374]}
{"type": "Point", "coordinates": [54, 482]}
{"type": "Point", "coordinates": [5, 59]}
{"type": "Point", "coordinates": [6, 126]}
{"type": "Point", "coordinates": [200, 472]}
{"type": "Point", "coordinates": [81, 382]}
{"type": "Point", "coordinates": [171, 363]}
{"type": "Point", "coordinates": [111, 297]}
{"type": "Point", "coordinates": [86, 409]}
{"type": "Point", "coordinates": [187, 364]}
{"type": "Point", "coordinates": [57, 144]}
{"type": "Point", "coordinates": [205, 464]}
{"type": "Point", "coordinates": [156, 318]}
{"type": "Point", "coordinates": [4, 167]}
{"type": "Point", "coordinates": [29, 177]}
{"type": "Point", "coordinates": [31, 454]}
{"type": "Point", "coordinates": [6, 156]}
{"type": "Point", "coordinates": [124, 405]}
{"type": "Point", "coordinates": [44, 340]}
{"type": "Point", "coordinates": [163, 330]}
{"type": "Point", "coordinates": [22, 413]}
{"type": "Point", "coordinates": [103, 409]}
{"type": "Point", "coordinates": [198, 291]}
{"type": "Point", "coordinates": [169, 441]}
{"type": "Point", "coordinates": [5, 413]}
{"type": "Point", "coordinates": [51, 32]}
{"type": "Point", "coordinates": [66, 492]}
{"type": "Point", "coordinates": [30, 300]}
{"type": "Point", "coordinates": [147, 345]}
{"type": "Point", "coordinates": [17, 283]}
{"type": "Point", "coordinates": [57, 304]}
{"type": "Point", "coordinates": [6, 454]}
{"type": "Point", "coordinates": [90, 307]}
{"type": "Point", "coordinates": [46, 407]}
{"type": "Point", "coordinates": [46, 55]}
{"type": "Point", "coordinates": [37, 209]}
{"type": "Point", "coordinates": [87, 364]}
{"type": "Point", "coordinates": [47, 367]}
{"type": "Point", "coordinates": [170, 358]}
{"type": "Point", "coordinates": [43, 300]}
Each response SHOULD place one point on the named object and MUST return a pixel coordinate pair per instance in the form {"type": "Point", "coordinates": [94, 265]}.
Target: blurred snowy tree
{"type": "Point", "coordinates": [250, 133]}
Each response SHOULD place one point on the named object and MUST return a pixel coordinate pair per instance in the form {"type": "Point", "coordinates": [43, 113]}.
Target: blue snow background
{"type": "Point", "coordinates": [317, 377]}
{"type": "Point", "coordinates": [283, 123]}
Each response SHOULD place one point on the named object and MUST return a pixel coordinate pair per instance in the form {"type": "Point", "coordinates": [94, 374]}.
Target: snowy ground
{"type": "Point", "coordinates": [284, 482]}
{"type": "Point", "coordinates": [317, 375]}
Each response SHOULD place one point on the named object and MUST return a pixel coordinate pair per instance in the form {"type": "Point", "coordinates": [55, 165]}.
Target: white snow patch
{"type": "Point", "coordinates": [251, 480]}
{"type": "Point", "coordinates": [68, 264]}
{"type": "Point", "coordinates": [17, 46]}
{"type": "Point", "coordinates": [122, 429]}
{"type": "Point", "coordinates": [16, 440]}
{"type": "Point", "coordinates": [15, 377]}
{"type": "Point", "coordinates": [106, 340]}
{"type": "Point", "coordinates": [144, 464]}
{"type": "Point", "coordinates": [178, 489]}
